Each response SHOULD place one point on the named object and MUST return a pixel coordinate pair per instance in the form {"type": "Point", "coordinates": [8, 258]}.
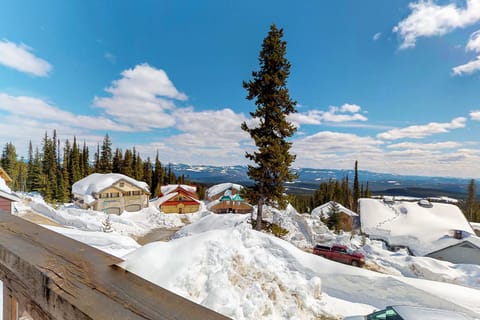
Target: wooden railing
{"type": "Point", "coordinates": [48, 276]}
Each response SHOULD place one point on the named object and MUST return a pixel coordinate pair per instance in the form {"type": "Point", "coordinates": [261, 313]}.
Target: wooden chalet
{"type": "Point", "coordinates": [178, 199]}
{"type": "Point", "coordinates": [226, 198]}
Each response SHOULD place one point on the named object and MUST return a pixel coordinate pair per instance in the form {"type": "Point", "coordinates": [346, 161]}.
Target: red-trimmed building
{"type": "Point", "coordinates": [178, 199]}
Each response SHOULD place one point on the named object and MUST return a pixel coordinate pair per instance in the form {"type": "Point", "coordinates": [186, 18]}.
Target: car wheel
{"type": "Point", "coordinates": [354, 263]}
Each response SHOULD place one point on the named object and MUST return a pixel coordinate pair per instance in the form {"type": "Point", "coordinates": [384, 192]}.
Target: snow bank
{"type": "Point", "coordinates": [111, 243]}
{"type": "Point", "coordinates": [246, 274]}
{"type": "Point", "coordinates": [236, 271]}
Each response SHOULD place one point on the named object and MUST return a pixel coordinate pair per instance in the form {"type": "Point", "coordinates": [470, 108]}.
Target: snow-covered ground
{"type": "Point", "coordinates": [219, 262]}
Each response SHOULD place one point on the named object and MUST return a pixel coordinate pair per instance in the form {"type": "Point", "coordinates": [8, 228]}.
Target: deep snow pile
{"type": "Point", "coordinates": [246, 274]}
{"type": "Point", "coordinates": [111, 243]}
{"type": "Point", "coordinates": [410, 224]}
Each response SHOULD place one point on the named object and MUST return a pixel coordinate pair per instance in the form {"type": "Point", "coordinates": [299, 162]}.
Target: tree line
{"type": "Point", "coordinates": [340, 191]}
{"type": "Point", "coordinates": [52, 169]}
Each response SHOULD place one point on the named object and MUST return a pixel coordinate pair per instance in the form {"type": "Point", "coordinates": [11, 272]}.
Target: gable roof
{"type": "Point", "coordinates": [324, 210]}
{"type": "Point", "coordinates": [97, 182]}
{"type": "Point", "coordinates": [9, 196]}
{"type": "Point", "coordinates": [175, 187]}
{"type": "Point", "coordinates": [448, 243]}
{"type": "Point", "coordinates": [221, 188]}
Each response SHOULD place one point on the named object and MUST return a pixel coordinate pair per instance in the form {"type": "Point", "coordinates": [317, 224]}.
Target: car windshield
{"type": "Point", "coordinates": [386, 314]}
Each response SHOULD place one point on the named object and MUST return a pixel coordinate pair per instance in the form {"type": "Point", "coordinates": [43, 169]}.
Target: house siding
{"type": "Point", "coordinates": [458, 254]}
{"type": "Point", "coordinates": [231, 207]}
{"type": "Point", "coordinates": [5, 205]}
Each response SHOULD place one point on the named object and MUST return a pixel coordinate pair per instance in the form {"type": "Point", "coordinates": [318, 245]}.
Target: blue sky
{"type": "Point", "coordinates": [392, 84]}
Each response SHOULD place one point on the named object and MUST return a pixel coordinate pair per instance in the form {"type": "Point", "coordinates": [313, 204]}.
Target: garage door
{"type": "Point", "coordinates": [113, 210]}
{"type": "Point", "coordinates": [133, 208]}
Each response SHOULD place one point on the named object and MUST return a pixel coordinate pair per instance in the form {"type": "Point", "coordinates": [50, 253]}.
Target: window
{"type": "Point", "coordinates": [386, 314]}
{"type": "Point", "coordinates": [122, 184]}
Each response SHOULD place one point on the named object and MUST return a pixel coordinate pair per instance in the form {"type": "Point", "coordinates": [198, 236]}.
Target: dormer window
{"type": "Point", "coordinates": [122, 184]}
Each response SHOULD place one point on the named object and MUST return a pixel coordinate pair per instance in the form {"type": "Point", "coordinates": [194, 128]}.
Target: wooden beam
{"type": "Point", "coordinates": [54, 277]}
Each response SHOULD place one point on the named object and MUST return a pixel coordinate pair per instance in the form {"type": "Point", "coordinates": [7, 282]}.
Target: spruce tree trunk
{"type": "Point", "coordinates": [258, 225]}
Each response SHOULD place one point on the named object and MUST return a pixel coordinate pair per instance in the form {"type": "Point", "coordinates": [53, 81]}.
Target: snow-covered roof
{"type": "Point", "coordinates": [222, 187]}
{"type": "Point", "coordinates": [409, 224]}
{"type": "Point", "coordinates": [324, 210]}
{"type": "Point", "coordinates": [172, 187]}
{"type": "Point", "coordinates": [97, 182]}
{"type": "Point", "coordinates": [9, 196]}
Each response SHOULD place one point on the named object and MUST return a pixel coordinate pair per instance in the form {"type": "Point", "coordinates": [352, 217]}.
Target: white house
{"type": "Point", "coordinates": [111, 193]}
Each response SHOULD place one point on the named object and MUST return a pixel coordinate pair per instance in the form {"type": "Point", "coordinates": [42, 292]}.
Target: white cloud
{"type": "Point", "coordinates": [143, 98]}
{"type": "Point", "coordinates": [377, 36]}
{"type": "Point", "coordinates": [474, 42]}
{"type": "Point", "coordinates": [34, 108]}
{"type": "Point", "coordinates": [468, 68]}
{"type": "Point", "coordinates": [19, 57]}
{"type": "Point", "coordinates": [421, 131]}
{"type": "Point", "coordinates": [428, 19]}
{"type": "Point", "coordinates": [475, 115]}
{"type": "Point", "coordinates": [345, 113]}
{"type": "Point", "coordinates": [425, 146]}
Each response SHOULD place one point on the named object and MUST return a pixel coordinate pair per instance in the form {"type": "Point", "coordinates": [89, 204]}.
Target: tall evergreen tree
{"type": "Point", "coordinates": [29, 167]}
{"type": "Point", "coordinates": [158, 177]}
{"type": "Point", "coordinates": [269, 91]}
{"type": "Point", "coordinates": [356, 189]}
{"type": "Point", "coordinates": [471, 207]}
{"type": "Point", "coordinates": [38, 183]}
{"type": "Point", "coordinates": [117, 161]}
{"type": "Point", "coordinates": [127, 163]}
{"type": "Point", "coordinates": [85, 161]}
{"type": "Point", "coordinates": [106, 156]}
{"type": "Point", "coordinates": [74, 160]}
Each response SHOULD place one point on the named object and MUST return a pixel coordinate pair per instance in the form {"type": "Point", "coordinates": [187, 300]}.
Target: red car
{"type": "Point", "coordinates": [341, 254]}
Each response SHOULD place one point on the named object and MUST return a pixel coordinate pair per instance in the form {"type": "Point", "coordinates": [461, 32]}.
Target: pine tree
{"type": "Point", "coordinates": [85, 161]}
{"type": "Point", "coordinates": [117, 161]}
{"type": "Point", "coordinates": [106, 156]}
{"type": "Point", "coordinates": [273, 158]}
{"type": "Point", "coordinates": [74, 160]}
{"type": "Point", "coordinates": [37, 183]}
{"type": "Point", "coordinates": [148, 172]}
{"type": "Point", "coordinates": [356, 189]}
{"type": "Point", "coordinates": [29, 167]}
{"type": "Point", "coordinates": [158, 177]}
{"type": "Point", "coordinates": [470, 207]}
{"type": "Point", "coordinates": [333, 220]}
{"type": "Point", "coordinates": [107, 225]}
{"type": "Point", "coordinates": [127, 163]}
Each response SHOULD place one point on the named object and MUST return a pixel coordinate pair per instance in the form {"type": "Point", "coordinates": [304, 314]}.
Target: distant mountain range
{"type": "Point", "coordinates": [309, 180]}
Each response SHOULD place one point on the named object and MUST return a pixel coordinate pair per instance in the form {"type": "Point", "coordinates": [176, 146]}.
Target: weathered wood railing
{"type": "Point", "coordinates": [53, 277]}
